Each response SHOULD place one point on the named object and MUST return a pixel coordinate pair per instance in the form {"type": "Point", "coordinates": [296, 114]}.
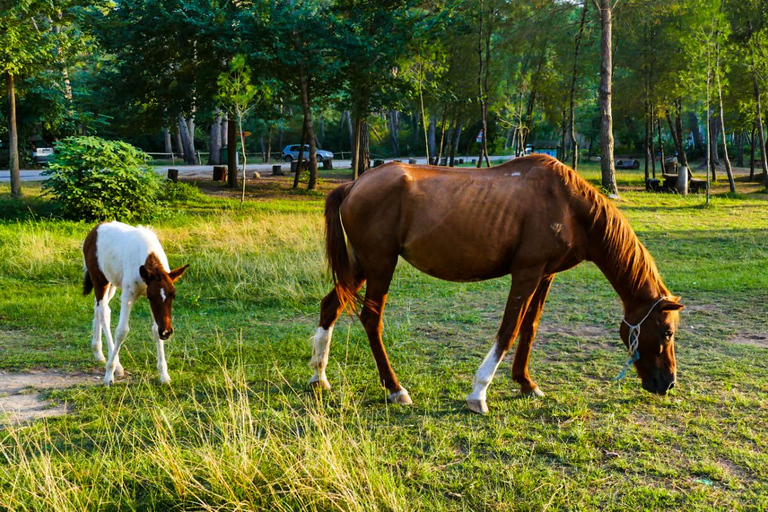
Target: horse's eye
{"type": "Point", "coordinates": [669, 334]}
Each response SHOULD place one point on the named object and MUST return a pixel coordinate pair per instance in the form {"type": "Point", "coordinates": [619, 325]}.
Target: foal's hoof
{"type": "Point", "coordinates": [478, 406]}
{"type": "Point", "coordinates": [534, 393]}
{"type": "Point", "coordinates": [119, 372]}
{"type": "Point", "coordinates": [400, 397]}
{"type": "Point", "coordinates": [319, 384]}
{"type": "Point", "coordinates": [99, 358]}
{"type": "Point", "coordinates": [108, 382]}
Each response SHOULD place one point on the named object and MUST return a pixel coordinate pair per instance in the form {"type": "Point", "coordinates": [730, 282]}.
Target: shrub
{"type": "Point", "coordinates": [95, 179]}
{"type": "Point", "coordinates": [180, 192]}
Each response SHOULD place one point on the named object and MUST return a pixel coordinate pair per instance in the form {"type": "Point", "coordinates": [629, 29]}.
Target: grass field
{"type": "Point", "coordinates": [238, 429]}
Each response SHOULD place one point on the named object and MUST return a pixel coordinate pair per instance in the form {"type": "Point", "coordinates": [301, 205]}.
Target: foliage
{"type": "Point", "coordinates": [91, 178]}
{"type": "Point", "coordinates": [180, 192]}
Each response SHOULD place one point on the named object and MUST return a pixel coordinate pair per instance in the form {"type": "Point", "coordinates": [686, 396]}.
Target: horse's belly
{"type": "Point", "coordinates": [457, 263]}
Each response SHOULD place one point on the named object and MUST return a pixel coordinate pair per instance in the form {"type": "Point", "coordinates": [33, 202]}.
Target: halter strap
{"type": "Point", "coordinates": [634, 339]}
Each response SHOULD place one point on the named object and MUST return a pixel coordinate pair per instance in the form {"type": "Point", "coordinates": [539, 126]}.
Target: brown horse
{"type": "Point", "coordinates": [531, 217]}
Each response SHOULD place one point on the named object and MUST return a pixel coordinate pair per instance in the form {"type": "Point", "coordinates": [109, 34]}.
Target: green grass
{"type": "Point", "coordinates": [238, 429]}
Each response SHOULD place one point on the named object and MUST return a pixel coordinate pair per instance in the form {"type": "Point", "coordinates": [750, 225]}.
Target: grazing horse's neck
{"type": "Point", "coordinates": [626, 263]}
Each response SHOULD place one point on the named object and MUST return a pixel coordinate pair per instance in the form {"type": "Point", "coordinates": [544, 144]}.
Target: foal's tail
{"type": "Point", "coordinates": [340, 262]}
{"type": "Point", "coordinates": [87, 283]}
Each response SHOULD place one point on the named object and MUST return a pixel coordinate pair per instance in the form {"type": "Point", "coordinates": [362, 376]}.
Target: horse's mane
{"type": "Point", "coordinates": [632, 262]}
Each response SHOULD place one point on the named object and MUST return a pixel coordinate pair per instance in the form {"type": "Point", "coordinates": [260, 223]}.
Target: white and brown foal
{"type": "Point", "coordinates": [117, 255]}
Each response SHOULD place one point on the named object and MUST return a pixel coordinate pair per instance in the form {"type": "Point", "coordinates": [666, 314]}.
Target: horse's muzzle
{"type": "Point", "coordinates": [166, 334]}
{"type": "Point", "coordinates": [660, 384]}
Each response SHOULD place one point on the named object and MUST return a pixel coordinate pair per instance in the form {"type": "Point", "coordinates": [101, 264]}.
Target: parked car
{"type": "Point", "coordinates": [41, 154]}
{"type": "Point", "coordinates": [291, 153]}
{"type": "Point", "coordinates": [627, 163]}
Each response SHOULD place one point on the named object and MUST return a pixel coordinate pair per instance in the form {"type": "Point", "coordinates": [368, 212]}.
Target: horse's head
{"type": "Point", "coordinates": [650, 337]}
{"type": "Point", "coordinates": [161, 292]}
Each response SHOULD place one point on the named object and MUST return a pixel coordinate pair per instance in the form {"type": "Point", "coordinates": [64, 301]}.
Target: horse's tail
{"type": "Point", "coordinates": [341, 263]}
{"type": "Point", "coordinates": [87, 283]}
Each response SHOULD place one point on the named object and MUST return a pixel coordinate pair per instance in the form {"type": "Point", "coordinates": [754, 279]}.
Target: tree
{"type": "Point", "coordinates": [238, 97]}
{"type": "Point", "coordinates": [606, 83]}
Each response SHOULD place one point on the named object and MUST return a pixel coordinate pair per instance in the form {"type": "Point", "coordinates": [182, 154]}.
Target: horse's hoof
{"type": "Point", "coordinates": [319, 384]}
{"type": "Point", "coordinates": [400, 397]}
{"type": "Point", "coordinates": [108, 382]}
{"type": "Point", "coordinates": [119, 372]}
{"type": "Point", "coordinates": [99, 358]}
{"type": "Point", "coordinates": [478, 406]}
{"type": "Point", "coordinates": [534, 393]}
{"type": "Point", "coordinates": [165, 379]}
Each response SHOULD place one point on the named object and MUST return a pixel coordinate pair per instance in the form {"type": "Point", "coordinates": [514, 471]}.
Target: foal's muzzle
{"type": "Point", "coordinates": [164, 335]}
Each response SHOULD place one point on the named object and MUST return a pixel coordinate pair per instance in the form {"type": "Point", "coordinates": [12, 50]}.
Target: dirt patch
{"type": "Point", "coordinates": [753, 340]}
{"type": "Point", "coordinates": [21, 397]}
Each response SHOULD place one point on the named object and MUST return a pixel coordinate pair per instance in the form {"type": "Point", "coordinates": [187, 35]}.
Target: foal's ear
{"type": "Point", "coordinates": [671, 304]}
{"type": "Point", "coordinates": [176, 274]}
{"type": "Point", "coordinates": [144, 273]}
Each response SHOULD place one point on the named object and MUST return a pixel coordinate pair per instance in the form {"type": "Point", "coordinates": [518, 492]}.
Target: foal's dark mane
{"type": "Point", "coordinates": [632, 263]}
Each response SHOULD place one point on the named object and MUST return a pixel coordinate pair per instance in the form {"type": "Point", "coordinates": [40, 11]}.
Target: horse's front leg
{"type": "Point", "coordinates": [524, 285]}
{"type": "Point", "coordinates": [162, 364]}
{"type": "Point", "coordinates": [527, 335]}
{"type": "Point", "coordinates": [114, 368]}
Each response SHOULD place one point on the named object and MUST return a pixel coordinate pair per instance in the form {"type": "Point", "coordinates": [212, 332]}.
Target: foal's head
{"type": "Point", "coordinates": [161, 292]}
{"type": "Point", "coordinates": [655, 330]}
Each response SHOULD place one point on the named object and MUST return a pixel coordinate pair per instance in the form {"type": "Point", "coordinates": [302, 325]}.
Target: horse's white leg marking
{"type": "Point", "coordinates": [483, 378]}
{"type": "Point", "coordinates": [98, 353]}
{"type": "Point", "coordinates": [162, 365]}
{"type": "Point", "coordinates": [320, 351]}
{"type": "Point", "coordinates": [113, 363]}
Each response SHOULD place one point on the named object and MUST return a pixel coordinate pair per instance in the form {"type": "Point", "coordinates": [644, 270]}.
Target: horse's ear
{"type": "Point", "coordinates": [144, 273]}
{"type": "Point", "coordinates": [176, 274]}
{"type": "Point", "coordinates": [671, 304]}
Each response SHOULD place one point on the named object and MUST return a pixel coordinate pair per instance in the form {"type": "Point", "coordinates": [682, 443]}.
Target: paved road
{"type": "Point", "coordinates": [203, 171]}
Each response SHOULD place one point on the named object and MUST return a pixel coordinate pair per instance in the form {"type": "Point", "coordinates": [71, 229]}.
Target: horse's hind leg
{"type": "Point", "coordinates": [524, 285]}
{"type": "Point", "coordinates": [330, 310]}
{"type": "Point", "coordinates": [527, 335]}
{"type": "Point", "coordinates": [371, 318]}
{"type": "Point", "coordinates": [99, 291]}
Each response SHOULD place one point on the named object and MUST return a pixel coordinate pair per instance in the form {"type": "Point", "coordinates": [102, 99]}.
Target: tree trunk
{"type": "Point", "coordinates": [231, 153]}
{"type": "Point", "coordinates": [269, 144]}
{"type": "Point", "coordinates": [13, 137]}
{"type": "Point", "coordinates": [728, 169]}
{"type": "Point", "coordinates": [361, 152]}
{"type": "Point", "coordinates": [574, 75]}
{"type": "Point", "coordinates": [653, 147]}
{"type": "Point", "coordinates": [167, 147]}
{"type": "Point", "coordinates": [714, 132]}
{"type": "Point", "coordinates": [648, 139]}
{"type": "Point", "coordinates": [224, 124]}
{"type": "Point", "coordinates": [661, 144]}
{"type": "Point", "coordinates": [300, 156]}
{"type": "Point", "coordinates": [392, 121]}
{"type": "Point", "coordinates": [763, 161]}
{"type": "Point", "coordinates": [186, 141]}
{"type": "Point", "coordinates": [179, 144]}
{"type": "Point", "coordinates": [214, 158]}
{"type": "Point", "coordinates": [431, 138]}
{"type": "Point", "coordinates": [351, 132]}
{"type": "Point", "coordinates": [606, 111]}
{"type": "Point", "coordinates": [310, 130]}
{"type": "Point", "coordinates": [456, 140]}
{"type": "Point", "coordinates": [752, 151]}
{"type": "Point", "coordinates": [679, 127]}
{"type": "Point", "coordinates": [693, 122]}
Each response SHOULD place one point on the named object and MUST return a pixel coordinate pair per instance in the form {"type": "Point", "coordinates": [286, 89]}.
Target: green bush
{"type": "Point", "coordinates": [180, 192]}
{"type": "Point", "coordinates": [91, 179]}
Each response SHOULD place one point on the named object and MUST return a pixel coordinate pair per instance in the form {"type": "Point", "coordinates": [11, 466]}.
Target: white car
{"type": "Point", "coordinates": [291, 153]}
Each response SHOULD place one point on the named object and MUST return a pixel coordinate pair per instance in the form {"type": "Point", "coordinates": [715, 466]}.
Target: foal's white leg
{"type": "Point", "coordinates": [98, 353]}
{"type": "Point", "coordinates": [319, 361]}
{"type": "Point", "coordinates": [113, 363]}
{"type": "Point", "coordinates": [162, 364]}
{"type": "Point", "coordinates": [483, 377]}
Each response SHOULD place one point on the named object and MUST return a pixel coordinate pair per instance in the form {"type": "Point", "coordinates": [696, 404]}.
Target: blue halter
{"type": "Point", "coordinates": [634, 340]}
